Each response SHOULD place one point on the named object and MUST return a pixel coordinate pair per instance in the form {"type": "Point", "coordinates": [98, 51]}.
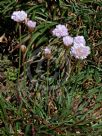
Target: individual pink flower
{"type": "Point", "coordinates": [60, 31]}
{"type": "Point", "coordinates": [31, 25]}
{"type": "Point", "coordinates": [19, 16]}
{"type": "Point", "coordinates": [79, 51]}
{"type": "Point", "coordinates": [68, 40]}
{"type": "Point", "coordinates": [79, 40]}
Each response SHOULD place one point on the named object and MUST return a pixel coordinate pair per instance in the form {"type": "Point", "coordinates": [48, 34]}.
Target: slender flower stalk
{"type": "Point", "coordinates": [47, 84]}
{"type": "Point", "coordinates": [19, 49]}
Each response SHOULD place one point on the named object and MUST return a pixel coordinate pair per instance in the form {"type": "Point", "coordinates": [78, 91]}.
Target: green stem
{"type": "Point", "coordinates": [78, 67]}
{"type": "Point", "coordinates": [28, 47]}
{"type": "Point", "coordinates": [19, 50]}
{"type": "Point", "coordinates": [47, 88]}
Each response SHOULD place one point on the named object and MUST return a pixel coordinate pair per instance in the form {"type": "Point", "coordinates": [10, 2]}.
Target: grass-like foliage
{"type": "Point", "coordinates": [46, 89]}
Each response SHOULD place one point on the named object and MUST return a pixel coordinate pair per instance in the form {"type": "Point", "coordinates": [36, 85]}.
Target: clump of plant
{"type": "Point", "coordinates": [52, 76]}
{"type": "Point", "coordinates": [72, 46]}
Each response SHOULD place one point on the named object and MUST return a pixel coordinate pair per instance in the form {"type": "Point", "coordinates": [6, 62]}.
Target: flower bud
{"type": "Point", "coordinates": [23, 48]}
{"type": "Point", "coordinates": [31, 25]}
{"type": "Point", "coordinates": [47, 53]}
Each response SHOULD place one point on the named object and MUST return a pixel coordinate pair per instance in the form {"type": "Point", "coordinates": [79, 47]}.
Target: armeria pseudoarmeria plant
{"type": "Point", "coordinates": [21, 17]}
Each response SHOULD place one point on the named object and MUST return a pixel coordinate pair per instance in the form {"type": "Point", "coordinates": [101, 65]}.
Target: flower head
{"type": "Point", "coordinates": [60, 31]}
{"type": "Point", "coordinates": [68, 40]}
{"type": "Point", "coordinates": [79, 40]}
{"type": "Point", "coordinates": [79, 51]}
{"type": "Point", "coordinates": [31, 24]}
{"type": "Point", "coordinates": [19, 16]}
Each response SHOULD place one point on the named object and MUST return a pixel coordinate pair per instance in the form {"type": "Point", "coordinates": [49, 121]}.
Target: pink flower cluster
{"type": "Point", "coordinates": [79, 49]}
{"type": "Point", "coordinates": [79, 40]}
{"type": "Point", "coordinates": [21, 16]}
{"type": "Point", "coordinates": [68, 40]}
{"type": "Point", "coordinates": [31, 25]}
{"type": "Point", "coordinates": [60, 31]}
